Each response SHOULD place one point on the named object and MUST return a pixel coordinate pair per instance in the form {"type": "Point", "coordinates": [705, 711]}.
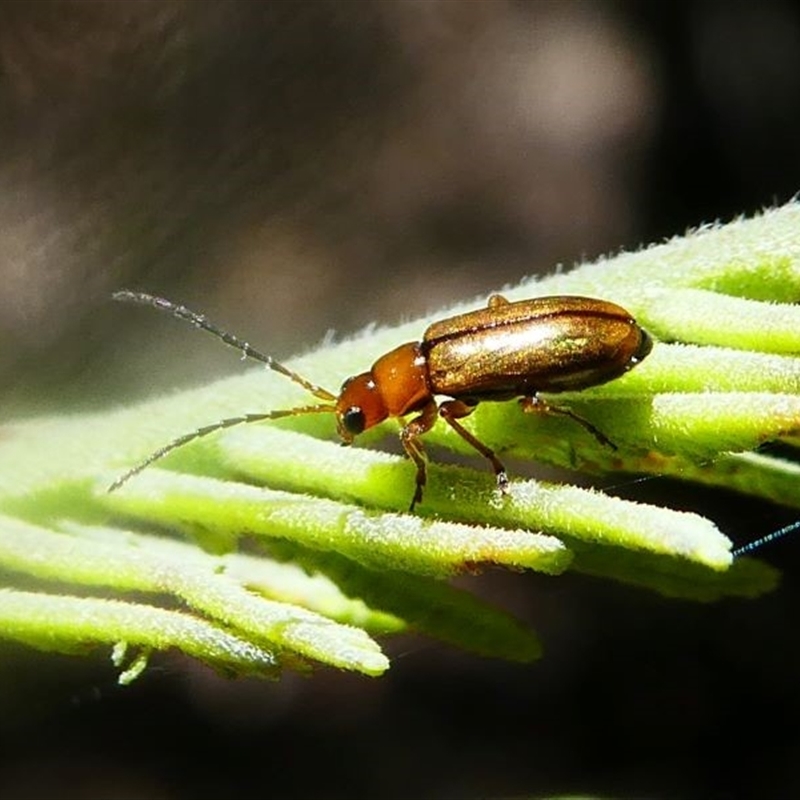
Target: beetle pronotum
{"type": "Point", "coordinates": [501, 352]}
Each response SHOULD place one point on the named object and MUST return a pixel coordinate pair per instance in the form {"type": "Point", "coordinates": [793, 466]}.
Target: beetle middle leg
{"type": "Point", "coordinates": [452, 411]}
{"type": "Point", "coordinates": [534, 404]}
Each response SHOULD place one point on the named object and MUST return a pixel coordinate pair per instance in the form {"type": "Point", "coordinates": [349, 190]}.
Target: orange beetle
{"type": "Point", "coordinates": [497, 353]}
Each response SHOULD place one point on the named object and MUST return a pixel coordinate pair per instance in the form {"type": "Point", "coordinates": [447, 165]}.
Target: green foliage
{"type": "Point", "coordinates": [335, 559]}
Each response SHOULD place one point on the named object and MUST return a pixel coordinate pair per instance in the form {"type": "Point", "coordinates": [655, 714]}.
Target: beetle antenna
{"type": "Point", "coordinates": [203, 323]}
{"type": "Point", "coordinates": [230, 422]}
{"type": "Point", "coordinates": [770, 537]}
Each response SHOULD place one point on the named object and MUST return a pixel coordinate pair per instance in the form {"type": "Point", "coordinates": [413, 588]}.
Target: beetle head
{"type": "Point", "coordinates": [359, 406]}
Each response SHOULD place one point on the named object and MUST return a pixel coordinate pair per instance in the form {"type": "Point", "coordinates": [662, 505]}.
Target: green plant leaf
{"type": "Point", "coordinates": [337, 559]}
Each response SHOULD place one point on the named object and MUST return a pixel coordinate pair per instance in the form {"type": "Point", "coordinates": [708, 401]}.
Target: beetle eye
{"type": "Point", "coordinates": [645, 346]}
{"type": "Point", "coordinates": [353, 420]}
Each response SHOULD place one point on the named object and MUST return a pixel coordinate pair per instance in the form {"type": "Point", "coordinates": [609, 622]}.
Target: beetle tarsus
{"type": "Point", "coordinates": [502, 482]}
{"type": "Point", "coordinates": [417, 498]}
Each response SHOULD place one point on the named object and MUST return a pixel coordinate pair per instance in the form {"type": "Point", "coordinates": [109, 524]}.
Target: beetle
{"type": "Point", "coordinates": [504, 351]}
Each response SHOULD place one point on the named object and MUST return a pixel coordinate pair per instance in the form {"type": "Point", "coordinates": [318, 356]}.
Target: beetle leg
{"type": "Point", "coordinates": [535, 404]}
{"type": "Point", "coordinates": [410, 435]}
{"type": "Point", "coordinates": [496, 300]}
{"type": "Point", "coordinates": [453, 410]}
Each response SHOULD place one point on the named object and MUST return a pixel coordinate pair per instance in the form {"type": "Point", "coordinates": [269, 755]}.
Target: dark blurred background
{"type": "Point", "coordinates": [296, 167]}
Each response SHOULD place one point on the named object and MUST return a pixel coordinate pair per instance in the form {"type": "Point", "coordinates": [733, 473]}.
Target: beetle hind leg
{"type": "Point", "coordinates": [534, 404]}
{"type": "Point", "coordinates": [496, 300]}
{"type": "Point", "coordinates": [453, 410]}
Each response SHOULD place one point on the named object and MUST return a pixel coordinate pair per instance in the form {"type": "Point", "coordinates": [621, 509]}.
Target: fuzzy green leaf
{"type": "Point", "coordinates": [723, 379]}
{"type": "Point", "coordinates": [73, 624]}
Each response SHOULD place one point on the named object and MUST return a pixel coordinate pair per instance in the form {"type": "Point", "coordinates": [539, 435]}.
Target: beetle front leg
{"type": "Point", "coordinates": [410, 435]}
{"type": "Point", "coordinates": [535, 404]}
{"type": "Point", "coordinates": [453, 410]}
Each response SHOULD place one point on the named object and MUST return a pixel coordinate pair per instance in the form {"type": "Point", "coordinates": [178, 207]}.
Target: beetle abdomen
{"type": "Point", "coordinates": [548, 344]}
